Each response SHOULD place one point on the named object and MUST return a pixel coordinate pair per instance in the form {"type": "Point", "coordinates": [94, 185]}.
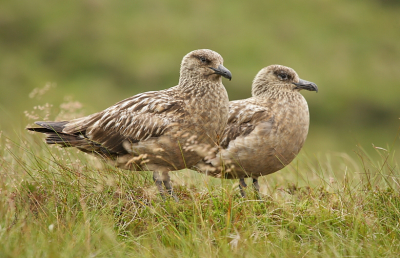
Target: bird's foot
{"type": "Point", "coordinates": [256, 188]}
{"type": "Point", "coordinates": [243, 186]}
{"type": "Point", "coordinates": [170, 190]}
{"type": "Point", "coordinates": [164, 183]}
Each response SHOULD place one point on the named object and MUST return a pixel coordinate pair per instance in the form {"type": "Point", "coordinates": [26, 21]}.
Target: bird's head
{"type": "Point", "coordinates": [277, 78]}
{"type": "Point", "coordinates": [204, 64]}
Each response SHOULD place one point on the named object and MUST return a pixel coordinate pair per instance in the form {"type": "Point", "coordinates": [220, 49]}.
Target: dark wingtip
{"type": "Point", "coordinates": [48, 126]}
{"type": "Point", "coordinates": [37, 129]}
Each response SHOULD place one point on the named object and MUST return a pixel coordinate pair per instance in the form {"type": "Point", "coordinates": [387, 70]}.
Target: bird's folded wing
{"type": "Point", "coordinates": [134, 119]}
{"type": "Point", "coordinates": [243, 119]}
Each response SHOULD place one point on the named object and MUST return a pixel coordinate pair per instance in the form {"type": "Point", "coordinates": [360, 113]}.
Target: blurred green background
{"type": "Point", "coordinates": [99, 52]}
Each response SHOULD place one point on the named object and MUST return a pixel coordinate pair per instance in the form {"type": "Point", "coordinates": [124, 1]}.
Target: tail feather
{"type": "Point", "coordinates": [40, 130]}
{"type": "Point", "coordinates": [64, 140]}
{"type": "Point", "coordinates": [55, 135]}
{"type": "Point", "coordinates": [54, 126]}
{"type": "Point", "coordinates": [49, 126]}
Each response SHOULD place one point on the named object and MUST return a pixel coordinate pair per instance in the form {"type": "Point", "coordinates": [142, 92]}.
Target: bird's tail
{"type": "Point", "coordinates": [55, 135]}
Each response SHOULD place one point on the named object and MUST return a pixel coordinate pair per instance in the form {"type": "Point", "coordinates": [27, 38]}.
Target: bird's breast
{"type": "Point", "coordinates": [208, 113]}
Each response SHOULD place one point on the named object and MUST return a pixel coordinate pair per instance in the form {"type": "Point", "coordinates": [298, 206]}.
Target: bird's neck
{"type": "Point", "coordinates": [207, 104]}
{"type": "Point", "coordinates": [198, 88]}
{"type": "Point", "coordinates": [274, 90]}
{"type": "Point", "coordinates": [287, 99]}
{"type": "Point", "coordinates": [284, 94]}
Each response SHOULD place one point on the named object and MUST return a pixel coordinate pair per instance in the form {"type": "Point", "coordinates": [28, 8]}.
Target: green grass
{"type": "Point", "coordinates": [61, 203]}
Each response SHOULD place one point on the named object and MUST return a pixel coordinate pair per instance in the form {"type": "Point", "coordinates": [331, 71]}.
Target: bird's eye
{"type": "Point", "coordinates": [203, 59]}
{"type": "Point", "coordinates": [283, 76]}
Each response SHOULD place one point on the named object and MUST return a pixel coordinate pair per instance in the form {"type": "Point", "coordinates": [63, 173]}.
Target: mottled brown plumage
{"type": "Point", "coordinates": [265, 132]}
{"type": "Point", "coordinates": [151, 130]}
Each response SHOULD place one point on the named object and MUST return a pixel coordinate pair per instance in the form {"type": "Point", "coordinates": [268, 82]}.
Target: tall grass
{"type": "Point", "coordinates": [61, 203]}
{"type": "Point", "coordinates": [104, 51]}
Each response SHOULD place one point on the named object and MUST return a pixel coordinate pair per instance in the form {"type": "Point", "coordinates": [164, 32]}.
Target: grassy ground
{"type": "Point", "coordinates": [100, 52]}
{"type": "Point", "coordinates": [59, 203]}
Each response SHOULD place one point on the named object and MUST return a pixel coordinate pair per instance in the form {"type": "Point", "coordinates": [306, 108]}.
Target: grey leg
{"type": "Point", "coordinates": [242, 186]}
{"type": "Point", "coordinates": [161, 179]}
{"type": "Point", "coordinates": [168, 186]}
{"type": "Point", "coordinates": [256, 187]}
{"type": "Point", "coordinates": [159, 184]}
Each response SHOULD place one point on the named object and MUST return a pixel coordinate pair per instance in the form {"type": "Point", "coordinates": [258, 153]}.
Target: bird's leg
{"type": "Point", "coordinates": [242, 186]}
{"type": "Point", "coordinates": [256, 187]}
{"type": "Point", "coordinates": [168, 186]}
{"type": "Point", "coordinates": [159, 184]}
{"type": "Point", "coordinates": [160, 179]}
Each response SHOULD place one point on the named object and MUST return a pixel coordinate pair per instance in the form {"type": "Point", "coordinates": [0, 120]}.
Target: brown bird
{"type": "Point", "coordinates": [151, 131]}
{"type": "Point", "coordinates": [265, 132]}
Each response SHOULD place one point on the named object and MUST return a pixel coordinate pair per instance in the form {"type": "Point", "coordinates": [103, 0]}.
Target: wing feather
{"type": "Point", "coordinates": [134, 119]}
{"type": "Point", "coordinates": [243, 118]}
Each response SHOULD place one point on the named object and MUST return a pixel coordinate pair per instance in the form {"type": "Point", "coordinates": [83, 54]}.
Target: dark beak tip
{"type": "Point", "coordinates": [228, 75]}
{"type": "Point", "coordinates": [306, 85]}
{"type": "Point", "coordinates": [221, 70]}
{"type": "Point", "coordinates": [315, 88]}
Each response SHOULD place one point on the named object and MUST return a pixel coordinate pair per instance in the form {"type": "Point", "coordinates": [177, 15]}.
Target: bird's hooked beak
{"type": "Point", "coordinates": [221, 70]}
{"type": "Point", "coordinates": [306, 85]}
